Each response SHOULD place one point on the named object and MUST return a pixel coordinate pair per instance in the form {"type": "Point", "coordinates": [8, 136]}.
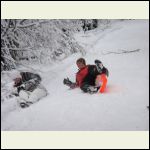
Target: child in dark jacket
{"type": "Point", "coordinates": [28, 88]}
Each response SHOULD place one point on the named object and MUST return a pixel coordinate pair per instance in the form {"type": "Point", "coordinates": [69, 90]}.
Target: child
{"type": "Point", "coordinates": [90, 78]}
{"type": "Point", "coordinates": [28, 88]}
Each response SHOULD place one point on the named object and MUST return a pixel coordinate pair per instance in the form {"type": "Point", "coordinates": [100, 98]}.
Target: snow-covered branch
{"type": "Point", "coordinates": [17, 49]}
{"type": "Point", "coordinates": [31, 24]}
{"type": "Point", "coordinates": [9, 58]}
{"type": "Point", "coordinates": [43, 40]}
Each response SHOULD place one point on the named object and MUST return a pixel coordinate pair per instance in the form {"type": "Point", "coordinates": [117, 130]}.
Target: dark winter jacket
{"type": "Point", "coordinates": [88, 74]}
{"type": "Point", "coordinates": [29, 81]}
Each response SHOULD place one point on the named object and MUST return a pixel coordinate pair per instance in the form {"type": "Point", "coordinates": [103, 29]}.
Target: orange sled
{"type": "Point", "coordinates": [102, 80]}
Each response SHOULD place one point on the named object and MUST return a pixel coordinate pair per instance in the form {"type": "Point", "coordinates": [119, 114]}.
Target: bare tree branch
{"type": "Point", "coordinates": [121, 51]}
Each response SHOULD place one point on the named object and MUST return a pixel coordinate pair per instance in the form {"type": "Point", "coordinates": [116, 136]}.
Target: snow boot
{"type": "Point", "coordinates": [92, 89]}
{"type": "Point", "coordinates": [89, 89]}
{"type": "Point", "coordinates": [99, 65]}
{"type": "Point", "coordinates": [100, 68]}
{"type": "Point", "coordinates": [23, 105]}
{"type": "Point", "coordinates": [69, 83]}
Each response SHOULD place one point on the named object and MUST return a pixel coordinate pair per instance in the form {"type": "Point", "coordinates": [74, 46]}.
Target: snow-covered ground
{"type": "Point", "coordinates": [122, 107]}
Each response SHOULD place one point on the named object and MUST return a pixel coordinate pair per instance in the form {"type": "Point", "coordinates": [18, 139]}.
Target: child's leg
{"type": "Point", "coordinates": [24, 95]}
{"type": "Point", "coordinates": [23, 98]}
{"type": "Point", "coordinates": [88, 88]}
{"type": "Point", "coordinates": [36, 95]}
{"type": "Point", "coordinates": [98, 81]}
{"type": "Point", "coordinates": [84, 87]}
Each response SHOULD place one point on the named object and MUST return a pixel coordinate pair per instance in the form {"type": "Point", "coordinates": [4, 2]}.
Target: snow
{"type": "Point", "coordinates": [121, 108]}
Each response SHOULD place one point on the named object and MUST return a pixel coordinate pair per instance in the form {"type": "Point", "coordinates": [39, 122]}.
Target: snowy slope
{"type": "Point", "coordinates": [122, 107]}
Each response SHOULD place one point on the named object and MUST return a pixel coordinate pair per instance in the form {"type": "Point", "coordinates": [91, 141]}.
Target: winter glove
{"type": "Point", "coordinates": [69, 83]}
